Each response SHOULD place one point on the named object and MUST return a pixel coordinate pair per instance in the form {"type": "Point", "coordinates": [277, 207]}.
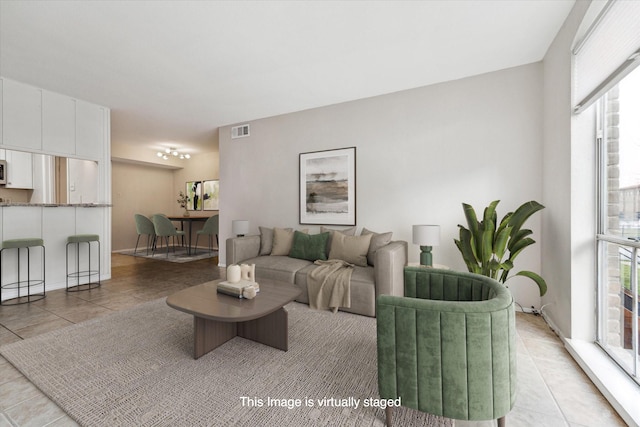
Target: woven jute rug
{"type": "Point", "coordinates": [136, 368]}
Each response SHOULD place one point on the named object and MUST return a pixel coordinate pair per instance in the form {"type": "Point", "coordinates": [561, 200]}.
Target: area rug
{"type": "Point", "coordinates": [179, 255]}
{"type": "Point", "coordinates": [136, 368]}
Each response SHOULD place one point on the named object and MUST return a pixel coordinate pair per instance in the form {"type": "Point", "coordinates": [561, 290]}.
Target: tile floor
{"type": "Point", "coordinates": [553, 391]}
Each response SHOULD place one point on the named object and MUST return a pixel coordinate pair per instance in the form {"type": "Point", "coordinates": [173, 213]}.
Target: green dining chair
{"type": "Point", "coordinates": [209, 229]}
{"type": "Point", "coordinates": [164, 228]}
{"type": "Point", "coordinates": [144, 226]}
{"type": "Point", "coordinates": [448, 347]}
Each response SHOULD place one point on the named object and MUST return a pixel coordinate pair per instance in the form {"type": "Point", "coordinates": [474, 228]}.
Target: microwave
{"type": "Point", "coordinates": [3, 172]}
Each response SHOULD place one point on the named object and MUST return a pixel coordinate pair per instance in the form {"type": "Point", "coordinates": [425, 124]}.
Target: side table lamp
{"type": "Point", "coordinates": [426, 236]}
{"type": "Point", "coordinates": [240, 227]}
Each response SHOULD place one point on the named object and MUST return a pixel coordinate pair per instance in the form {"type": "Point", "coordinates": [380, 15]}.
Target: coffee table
{"type": "Point", "coordinates": [217, 318]}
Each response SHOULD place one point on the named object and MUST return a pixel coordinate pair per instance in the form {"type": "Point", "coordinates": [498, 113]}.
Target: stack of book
{"type": "Point", "coordinates": [235, 289]}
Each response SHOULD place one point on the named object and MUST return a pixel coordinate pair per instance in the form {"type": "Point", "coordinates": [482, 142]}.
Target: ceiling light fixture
{"type": "Point", "coordinates": [173, 152]}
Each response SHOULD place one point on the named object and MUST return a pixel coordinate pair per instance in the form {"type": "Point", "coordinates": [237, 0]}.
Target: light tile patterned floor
{"type": "Point", "coordinates": [553, 390]}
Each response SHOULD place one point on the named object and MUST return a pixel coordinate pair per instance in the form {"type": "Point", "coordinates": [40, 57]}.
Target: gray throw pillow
{"type": "Point", "coordinates": [351, 231]}
{"type": "Point", "coordinates": [283, 240]}
{"type": "Point", "coordinates": [266, 240]}
{"type": "Point", "coordinates": [378, 240]}
{"type": "Point", "coordinates": [352, 249]}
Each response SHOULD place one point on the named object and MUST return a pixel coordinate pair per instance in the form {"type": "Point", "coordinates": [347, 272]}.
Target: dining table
{"type": "Point", "coordinates": [189, 220]}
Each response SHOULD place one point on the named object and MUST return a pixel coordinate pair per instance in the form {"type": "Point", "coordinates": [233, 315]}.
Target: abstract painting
{"type": "Point", "coordinates": [328, 187]}
{"type": "Point", "coordinates": [210, 194]}
{"type": "Point", "coordinates": [194, 192]}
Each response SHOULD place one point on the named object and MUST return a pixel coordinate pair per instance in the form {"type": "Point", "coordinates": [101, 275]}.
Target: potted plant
{"type": "Point", "coordinates": [183, 200]}
{"type": "Point", "coordinates": [490, 248]}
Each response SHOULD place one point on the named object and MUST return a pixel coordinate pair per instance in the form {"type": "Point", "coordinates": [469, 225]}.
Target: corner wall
{"type": "Point", "coordinates": [568, 251]}
{"type": "Point", "coordinates": [420, 154]}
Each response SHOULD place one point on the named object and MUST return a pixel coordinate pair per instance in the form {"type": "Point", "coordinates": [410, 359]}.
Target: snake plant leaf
{"type": "Point", "coordinates": [490, 213]}
{"type": "Point", "coordinates": [472, 219]}
{"type": "Point", "coordinates": [521, 215]}
{"type": "Point", "coordinates": [500, 244]}
{"type": "Point", "coordinates": [464, 245]}
{"type": "Point", "coordinates": [506, 268]}
{"type": "Point", "coordinates": [487, 242]}
{"type": "Point", "coordinates": [519, 247]}
{"type": "Point", "coordinates": [521, 234]}
{"type": "Point", "coordinates": [494, 268]}
{"type": "Point", "coordinates": [542, 285]}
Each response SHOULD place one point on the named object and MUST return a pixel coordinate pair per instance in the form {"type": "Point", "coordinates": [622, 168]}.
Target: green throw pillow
{"type": "Point", "coordinates": [309, 246]}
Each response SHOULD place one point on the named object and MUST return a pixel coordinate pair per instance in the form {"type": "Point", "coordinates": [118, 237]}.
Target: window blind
{"type": "Point", "coordinates": [607, 53]}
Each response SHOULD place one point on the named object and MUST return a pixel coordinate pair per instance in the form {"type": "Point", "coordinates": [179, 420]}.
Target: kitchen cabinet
{"type": "Point", "coordinates": [21, 115]}
{"type": "Point", "coordinates": [90, 130]}
{"type": "Point", "coordinates": [19, 169]}
{"type": "Point", "coordinates": [58, 123]}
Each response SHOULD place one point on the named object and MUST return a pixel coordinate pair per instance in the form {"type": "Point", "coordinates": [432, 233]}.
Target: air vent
{"type": "Point", "coordinates": [239, 131]}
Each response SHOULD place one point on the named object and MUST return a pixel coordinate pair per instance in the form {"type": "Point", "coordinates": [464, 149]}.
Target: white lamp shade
{"type": "Point", "coordinates": [426, 235]}
{"type": "Point", "coordinates": [240, 227]}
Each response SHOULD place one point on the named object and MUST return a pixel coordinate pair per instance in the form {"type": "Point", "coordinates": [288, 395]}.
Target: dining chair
{"type": "Point", "coordinates": [144, 226]}
{"type": "Point", "coordinates": [164, 228]}
{"type": "Point", "coordinates": [209, 229]}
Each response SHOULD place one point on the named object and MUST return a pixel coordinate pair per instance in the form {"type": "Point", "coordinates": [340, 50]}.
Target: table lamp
{"type": "Point", "coordinates": [426, 236]}
{"type": "Point", "coordinates": [240, 227]}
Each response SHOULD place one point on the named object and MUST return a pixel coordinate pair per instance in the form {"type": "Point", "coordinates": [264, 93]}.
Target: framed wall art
{"type": "Point", "coordinates": [210, 194]}
{"type": "Point", "coordinates": [328, 187]}
{"type": "Point", "coordinates": [194, 192]}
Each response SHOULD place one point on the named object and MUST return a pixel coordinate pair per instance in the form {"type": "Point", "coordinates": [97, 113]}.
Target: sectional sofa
{"type": "Point", "coordinates": [287, 255]}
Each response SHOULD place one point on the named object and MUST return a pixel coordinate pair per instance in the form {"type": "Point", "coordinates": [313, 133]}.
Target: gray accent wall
{"type": "Point", "coordinates": [421, 153]}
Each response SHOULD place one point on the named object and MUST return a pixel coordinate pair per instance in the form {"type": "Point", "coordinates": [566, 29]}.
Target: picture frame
{"type": "Point", "coordinates": [210, 195]}
{"type": "Point", "coordinates": [193, 190]}
{"type": "Point", "coordinates": [327, 183]}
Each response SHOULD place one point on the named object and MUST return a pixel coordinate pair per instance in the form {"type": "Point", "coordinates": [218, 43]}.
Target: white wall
{"type": "Point", "coordinates": [420, 154]}
{"type": "Point", "coordinates": [568, 171]}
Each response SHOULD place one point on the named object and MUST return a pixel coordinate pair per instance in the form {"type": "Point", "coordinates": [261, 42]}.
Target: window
{"type": "Point", "coordinates": [618, 236]}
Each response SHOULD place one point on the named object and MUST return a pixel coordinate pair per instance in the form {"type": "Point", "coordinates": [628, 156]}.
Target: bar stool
{"type": "Point", "coordinates": [88, 239]}
{"type": "Point", "coordinates": [19, 244]}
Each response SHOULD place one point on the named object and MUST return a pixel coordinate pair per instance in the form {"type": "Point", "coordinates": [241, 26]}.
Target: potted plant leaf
{"type": "Point", "coordinates": [489, 247]}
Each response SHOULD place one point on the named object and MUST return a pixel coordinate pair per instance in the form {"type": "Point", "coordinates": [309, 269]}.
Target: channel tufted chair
{"type": "Point", "coordinates": [448, 346]}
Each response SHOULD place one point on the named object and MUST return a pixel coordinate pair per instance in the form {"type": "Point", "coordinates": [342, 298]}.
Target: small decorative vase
{"type": "Point", "coordinates": [186, 212]}
{"type": "Point", "coordinates": [233, 273]}
{"type": "Point", "coordinates": [248, 272]}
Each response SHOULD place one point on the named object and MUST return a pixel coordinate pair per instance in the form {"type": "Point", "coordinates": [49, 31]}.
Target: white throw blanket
{"type": "Point", "coordinates": [329, 285]}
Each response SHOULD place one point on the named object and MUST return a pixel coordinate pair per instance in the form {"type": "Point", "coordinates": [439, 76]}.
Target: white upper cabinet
{"type": "Point", "coordinates": [19, 169]}
{"type": "Point", "coordinates": [58, 123]}
{"type": "Point", "coordinates": [21, 115]}
{"type": "Point", "coordinates": [90, 130]}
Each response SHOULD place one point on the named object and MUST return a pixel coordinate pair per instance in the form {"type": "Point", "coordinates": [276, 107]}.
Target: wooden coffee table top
{"type": "Point", "coordinates": [204, 301]}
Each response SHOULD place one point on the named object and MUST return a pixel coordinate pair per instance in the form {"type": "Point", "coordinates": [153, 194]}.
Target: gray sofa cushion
{"type": "Point", "coordinates": [363, 290]}
{"type": "Point", "coordinates": [276, 267]}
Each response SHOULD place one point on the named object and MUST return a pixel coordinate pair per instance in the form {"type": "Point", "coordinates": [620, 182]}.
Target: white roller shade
{"type": "Point", "coordinates": [606, 54]}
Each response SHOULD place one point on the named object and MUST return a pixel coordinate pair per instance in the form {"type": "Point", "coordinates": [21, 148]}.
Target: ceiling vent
{"type": "Point", "coordinates": [239, 131]}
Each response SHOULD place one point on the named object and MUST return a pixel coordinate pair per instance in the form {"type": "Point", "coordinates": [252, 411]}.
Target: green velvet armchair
{"type": "Point", "coordinates": [448, 346]}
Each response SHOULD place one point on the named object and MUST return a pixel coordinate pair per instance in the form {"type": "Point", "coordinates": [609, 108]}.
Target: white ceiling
{"type": "Point", "coordinates": [174, 71]}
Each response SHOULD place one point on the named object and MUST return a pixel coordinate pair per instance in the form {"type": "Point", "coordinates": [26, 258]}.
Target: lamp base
{"type": "Point", "coordinates": [426, 258]}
